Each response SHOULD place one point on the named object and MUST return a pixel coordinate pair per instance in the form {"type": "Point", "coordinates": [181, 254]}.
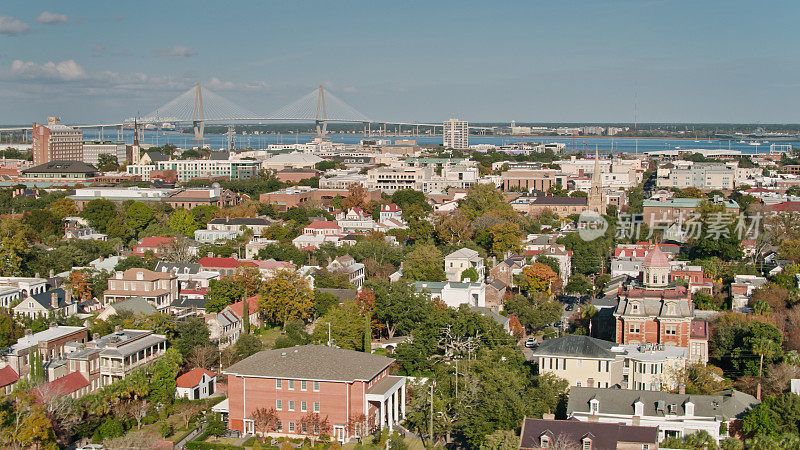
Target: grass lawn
{"type": "Point", "coordinates": [222, 440]}
{"type": "Point", "coordinates": [268, 337]}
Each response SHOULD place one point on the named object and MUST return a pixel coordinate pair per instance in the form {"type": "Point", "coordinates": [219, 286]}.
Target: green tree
{"type": "Point", "coordinates": [501, 440]}
{"type": "Point", "coordinates": [470, 275]}
{"type": "Point", "coordinates": [181, 221]}
{"type": "Point", "coordinates": [481, 199]}
{"type": "Point", "coordinates": [138, 216]}
{"type": "Point", "coordinates": [424, 263]}
{"type": "Point", "coordinates": [774, 416]}
{"type": "Point", "coordinates": [578, 284]}
{"type": "Point", "coordinates": [398, 306]}
{"type": "Point", "coordinates": [99, 213]}
{"type": "Point", "coordinates": [346, 325]}
{"type": "Point", "coordinates": [107, 162]}
{"type": "Point", "coordinates": [407, 197]}
{"type": "Point", "coordinates": [191, 333]}
{"type": "Point", "coordinates": [247, 345]}
{"type": "Point", "coordinates": [286, 296]}
{"type": "Point", "coordinates": [162, 382]}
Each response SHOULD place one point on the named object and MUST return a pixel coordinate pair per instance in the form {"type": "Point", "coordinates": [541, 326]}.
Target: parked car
{"type": "Point", "coordinates": [531, 342]}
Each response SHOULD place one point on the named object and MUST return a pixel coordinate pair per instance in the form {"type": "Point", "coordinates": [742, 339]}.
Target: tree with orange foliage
{"type": "Point", "coordinates": [81, 283]}
{"type": "Point", "coordinates": [356, 197]}
{"type": "Point", "coordinates": [537, 277]}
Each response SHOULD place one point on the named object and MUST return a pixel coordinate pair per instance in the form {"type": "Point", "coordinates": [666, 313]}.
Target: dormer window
{"type": "Point", "coordinates": [671, 308]}
{"type": "Point", "coordinates": [635, 308]}
{"type": "Point", "coordinates": [544, 441]}
{"type": "Point", "coordinates": [587, 443]}
{"type": "Point", "coordinates": [594, 406]}
{"type": "Point", "coordinates": [638, 408]}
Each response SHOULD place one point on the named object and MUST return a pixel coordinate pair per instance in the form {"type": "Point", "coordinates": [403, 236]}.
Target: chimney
{"type": "Point", "coordinates": [210, 254]}
{"type": "Point", "coordinates": [36, 275]}
{"type": "Point", "coordinates": [235, 255]}
{"type": "Point", "coordinates": [95, 336]}
{"type": "Point", "coordinates": [635, 421]}
{"type": "Point", "coordinates": [682, 389]}
{"type": "Point", "coordinates": [117, 328]}
{"type": "Point", "coordinates": [52, 273]}
{"type": "Point", "coordinates": [549, 416]}
{"type": "Point", "coordinates": [54, 300]}
{"type": "Point", "coordinates": [101, 258]}
{"type": "Point", "coordinates": [67, 295]}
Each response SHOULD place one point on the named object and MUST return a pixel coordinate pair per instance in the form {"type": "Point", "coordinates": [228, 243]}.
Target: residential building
{"type": "Point", "coordinates": [225, 228]}
{"type": "Point", "coordinates": [455, 134]}
{"type": "Point", "coordinates": [230, 169]}
{"type": "Point", "coordinates": [454, 294]}
{"type": "Point", "coordinates": [301, 195]}
{"type": "Point", "coordinates": [742, 289]}
{"type": "Point", "coordinates": [675, 415]}
{"type": "Point", "coordinates": [323, 228]}
{"type": "Point", "coordinates": [16, 288]}
{"type": "Point", "coordinates": [702, 175]}
{"type": "Point", "coordinates": [224, 266]}
{"type": "Point", "coordinates": [391, 212]}
{"type": "Point", "coordinates": [155, 244]}
{"type": "Point", "coordinates": [549, 433]}
{"type": "Point", "coordinates": [294, 160]}
{"type": "Point", "coordinates": [196, 384]}
{"type": "Point", "coordinates": [134, 305]}
{"type": "Point", "coordinates": [56, 142]}
{"type": "Point", "coordinates": [118, 195]}
{"type": "Point", "coordinates": [460, 260]}
{"type": "Point", "coordinates": [348, 266]}
{"type": "Point", "coordinates": [352, 390]}
{"type": "Point", "coordinates": [226, 326]}
{"type": "Point", "coordinates": [50, 344]}
{"type": "Point", "coordinates": [50, 303]}
{"type": "Point", "coordinates": [189, 198]}
{"type": "Point", "coordinates": [590, 362]}
{"type": "Point", "coordinates": [158, 288]}
{"type": "Point", "coordinates": [563, 206]}
{"type": "Point", "coordinates": [8, 378]}
{"type": "Point", "coordinates": [659, 213]}
{"type": "Point", "coordinates": [93, 149]}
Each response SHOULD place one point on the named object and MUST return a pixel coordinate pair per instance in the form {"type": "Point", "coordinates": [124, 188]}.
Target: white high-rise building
{"type": "Point", "coordinates": [456, 134]}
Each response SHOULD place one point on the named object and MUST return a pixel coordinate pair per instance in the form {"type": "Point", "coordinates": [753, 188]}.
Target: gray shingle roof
{"type": "Point", "coordinates": [603, 435]}
{"type": "Point", "coordinates": [65, 166]}
{"type": "Point", "coordinates": [576, 345]}
{"type": "Point", "coordinates": [312, 362]}
{"type": "Point", "coordinates": [727, 404]}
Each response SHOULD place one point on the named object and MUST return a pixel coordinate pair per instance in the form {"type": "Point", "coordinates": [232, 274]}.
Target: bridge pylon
{"type": "Point", "coordinates": [199, 121]}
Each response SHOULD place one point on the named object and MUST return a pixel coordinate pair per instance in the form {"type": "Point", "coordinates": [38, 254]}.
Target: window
{"type": "Point", "coordinates": [671, 330]}
{"type": "Point", "coordinates": [278, 404]}
{"type": "Point", "coordinates": [645, 446]}
{"type": "Point", "coordinates": [587, 444]}
{"type": "Point", "coordinates": [634, 328]}
{"type": "Point", "coordinates": [316, 407]}
{"type": "Point", "coordinates": [316, 385]}
{"type": "Point", "coordinates": [303, 385]}
{"type": "Point", "coordinates": [544, 442]}
{"type": "Point", "coordinates": [291, 405]}
{"type": "Point", "coordinates": [635, 308]}
{"type": "Point", "coordinates": [279, 426]}
{"type": "Point", "coordinates": [291, 426]}
{"type": "Point", "coordinates": [303, 406]}
{"type": "Point", "coordinates": [291, 384]}
{"type": "Point", "coordinates": [278, 383]}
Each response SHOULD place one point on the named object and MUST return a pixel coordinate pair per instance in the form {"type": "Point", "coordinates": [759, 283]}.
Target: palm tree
{"type": "Point", "coordinates": [762, 346]}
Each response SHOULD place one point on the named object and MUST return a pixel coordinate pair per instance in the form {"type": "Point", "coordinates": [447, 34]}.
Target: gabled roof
{"type": "Point", "coordinates": [8, 376]}
{"type": "Point", "coordinates": [603, 435]}
{"type": "Point", "coordinates": [464, 253]}
{"type": "Point", "coordinates": [391, 207]}
{"type": "Point", "coordinates": [312, 362]}
{"type": "Point", "coordinates": [154, 242]}
{"type": "Point", "coordinates": [45, 298]}
{"type": "Point", "coordinates": [192, 378]}
{"type": "Point", "coordinates": [136, 305]}
{"type": "Point", "coordinates": [65, 385]}
{"type": "Point", "coordinates": [238, 307]}
{"type": "Point", "coordinates": [727, 404]}
{"type": "Point", "coordinates": [63, 167]}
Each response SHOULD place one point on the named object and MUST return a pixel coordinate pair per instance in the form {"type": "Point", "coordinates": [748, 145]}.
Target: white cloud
{"type": "Point", "coordinates": [63, 71]}
{"type": "Point", "coordinates": [178, 51]}
{"type": "Point", "coordinates": [215, 84]}
{"type": "Point", "coordinates": [48, 17]}
{"type": "Point", "coordinates": [10, 25]}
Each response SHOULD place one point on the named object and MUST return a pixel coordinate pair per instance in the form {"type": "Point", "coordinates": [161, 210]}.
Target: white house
{"type": "Point", "coordinates": [460, 260]}
{"type": "Point", "coordinates": [196, 384]}
{"type": "Point", "coordinates": [674, 414]}
{"type": "Point", "coordinates": [455, 294]}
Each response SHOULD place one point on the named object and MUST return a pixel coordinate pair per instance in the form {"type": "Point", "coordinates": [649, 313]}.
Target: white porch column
{"type": "Point", "coordinates": [389, 416]}
{"type": "Point", "coordinates": [402, 402]}
{"type": "Point", "coordinates": [395, 401]}
{"type": "Point", "coordinates": [382, 416]}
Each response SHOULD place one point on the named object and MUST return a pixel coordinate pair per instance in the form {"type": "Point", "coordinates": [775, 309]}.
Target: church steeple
{"type": "Point", "coordinates": [595, 201]}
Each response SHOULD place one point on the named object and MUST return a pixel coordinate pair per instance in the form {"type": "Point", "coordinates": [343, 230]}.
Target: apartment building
{"type": "Point", "coordinates": [56, 142]}
{"type": "Point", "coordinates": [231, 169]}
{"type": "Point", "coordinates": [93, 149]}
{"type": "Point", "coordinates": [703, 175]}
{"type": "Point", "coordinates": [590, 362]}
{"type": "Point", "coordinates": [159, 288]}
{"type": "Point", "coordinates": [455, 134]}
{"type": "Point", "coordinates": [50, 344]}
{"type": "Point", "coordinates": [460, 260]}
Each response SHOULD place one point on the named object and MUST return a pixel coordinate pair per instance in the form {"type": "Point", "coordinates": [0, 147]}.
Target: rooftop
{"type": "Point", "coordinates": [191, 378]}
{"type": "Point", "coordinates": [603, 435]}
{"type": "Point", "coordinates": [312, 362]}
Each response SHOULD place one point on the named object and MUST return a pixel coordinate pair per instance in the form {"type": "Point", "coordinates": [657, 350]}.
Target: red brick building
{"type": "Point", "coordinates": [351, 389]}
{"type": "Point", "coordinates": [656, 312]}
{"type": "Point", "coordinates": [56, 142]}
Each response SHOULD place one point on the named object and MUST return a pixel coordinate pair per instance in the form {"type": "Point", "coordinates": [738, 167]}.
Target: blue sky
{"type": "Point", "coordinates": [554, 61]}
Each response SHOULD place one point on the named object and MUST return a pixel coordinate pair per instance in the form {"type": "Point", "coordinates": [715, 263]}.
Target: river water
{"type": "Point", "coordinates": [585, 143]}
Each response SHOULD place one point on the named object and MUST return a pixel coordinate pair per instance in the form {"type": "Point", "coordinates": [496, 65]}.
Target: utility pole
{"type": "Point", "coordinates": [430, 426]}
{"type": "Point", "coordinates": [456, 378]}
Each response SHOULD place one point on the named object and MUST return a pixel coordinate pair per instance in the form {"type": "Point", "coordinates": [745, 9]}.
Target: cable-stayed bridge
{"type": "Point", "coordinates": [199, 106]}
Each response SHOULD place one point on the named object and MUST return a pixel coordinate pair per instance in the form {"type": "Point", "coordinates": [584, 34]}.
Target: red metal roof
{"type": "Point", "coordinates": [391, 207]}
{"type": "Point", "coordinates": [192, 378]}
{"type": "Point", "coordinates": [655, 258]}
{"type": "Point", "coordinates": [786, 207]}
{"type": "Point", "coordinates": [699, 329]}
{"type": "Point", "coordinates": [238, 307]}
{"type": "Point", "coordinates": [155, 242]}
{"type": "Point", "coordinates": [66, 385]}
{"type": "Point", "coordinates": [324, 224]}
{"type": "Point", "coordinates": [8, 376]}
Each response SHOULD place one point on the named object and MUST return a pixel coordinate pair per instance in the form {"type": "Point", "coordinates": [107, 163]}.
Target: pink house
{"type": "Point", "coordinates": [323, 228]}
